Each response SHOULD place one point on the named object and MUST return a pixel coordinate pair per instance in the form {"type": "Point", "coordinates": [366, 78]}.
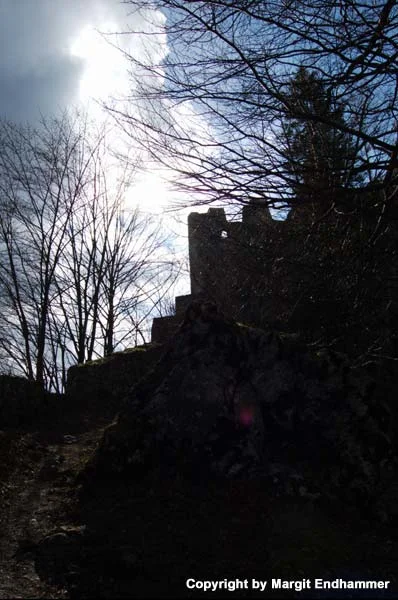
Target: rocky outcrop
{"type": "Point", "coordinates": [232, 402]}
{"type": "Point", "coordinates": [241, 454]}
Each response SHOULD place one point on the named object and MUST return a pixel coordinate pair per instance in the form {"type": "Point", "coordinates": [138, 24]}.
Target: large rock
{"type": "Point", "coordinates": [241, 455]}
{"type": "Point", "coordinates": [233, 402]}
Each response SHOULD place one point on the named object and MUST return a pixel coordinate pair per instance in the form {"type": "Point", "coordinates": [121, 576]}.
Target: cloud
{"type": "Point", "coordinates": [38, 71]}
{"type": "Point", "coordinates": [53, 57]}
{"type": "Point", "coordinates": [24, 95]}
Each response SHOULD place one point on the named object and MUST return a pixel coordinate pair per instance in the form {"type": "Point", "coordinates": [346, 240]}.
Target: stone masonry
{"type": "Point", "coordinates": [218, 251]}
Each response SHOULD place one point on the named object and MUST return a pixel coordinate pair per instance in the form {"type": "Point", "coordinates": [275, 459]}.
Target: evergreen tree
{"type": "Point", "coordinates": [320, 157]}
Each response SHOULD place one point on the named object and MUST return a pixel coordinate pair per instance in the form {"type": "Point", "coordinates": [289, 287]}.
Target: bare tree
{"type": "Point", "coordinates": [77, 266]}
{"type": "Point", "coordinates": [214, 105]}
{"type": "Point", "coordinates": [42, 174]}
{"type": "Point", "coordinates": [113, 254]}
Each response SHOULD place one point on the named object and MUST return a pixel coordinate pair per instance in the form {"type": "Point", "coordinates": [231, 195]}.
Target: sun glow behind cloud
{"type": "Point", "coordinates": [106, 79]}
{"type": "Point", "coordinates": [109, 78]}
{"type": "Point", "coordinates": [105, 67]}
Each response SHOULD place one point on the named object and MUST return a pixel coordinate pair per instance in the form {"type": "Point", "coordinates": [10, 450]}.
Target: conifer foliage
{"type": "Point", "coordinates": [320, 153]}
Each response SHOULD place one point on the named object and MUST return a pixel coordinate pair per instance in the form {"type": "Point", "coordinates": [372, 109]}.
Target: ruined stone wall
{"type": "Point", "coordinates": [296, 275]}
{"type": "Point", "coordinates": [224, 258]}
{"type": "Point", "coordinates": [24, 403]}
{"type": "Point", "coordinates": [101, 385]}
{"type": "Point", "coordinates": [208, 246]}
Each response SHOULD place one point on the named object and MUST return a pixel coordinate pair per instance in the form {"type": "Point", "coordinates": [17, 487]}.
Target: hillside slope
{"type": "Point", "coordinates": [241, 454]}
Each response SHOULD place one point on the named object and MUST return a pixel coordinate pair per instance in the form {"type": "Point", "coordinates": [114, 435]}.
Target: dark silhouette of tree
{"type": "Point", "coordinates": [79, 271]}
{"type": "Point", "coordinates": [320, 157]}
{"type": "Point", "coordinates": [42, 174]}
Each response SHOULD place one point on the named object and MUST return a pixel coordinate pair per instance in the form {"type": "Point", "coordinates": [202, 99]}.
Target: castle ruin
{"type": "Point", "coordinates": [222, 259]}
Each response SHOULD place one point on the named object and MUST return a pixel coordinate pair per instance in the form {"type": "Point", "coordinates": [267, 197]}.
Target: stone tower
{"type": "Point", "coordinates": [218, 254]}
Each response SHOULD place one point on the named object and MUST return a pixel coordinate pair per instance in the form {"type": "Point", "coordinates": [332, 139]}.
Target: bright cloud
{"type": "Point", "coordinates": [105, 67]}
{"type": "Point", "coordinates": [53, 53]}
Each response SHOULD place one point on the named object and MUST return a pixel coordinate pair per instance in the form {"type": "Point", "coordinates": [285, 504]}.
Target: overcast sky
{"type": "Point", "coordinates": [47, 48]}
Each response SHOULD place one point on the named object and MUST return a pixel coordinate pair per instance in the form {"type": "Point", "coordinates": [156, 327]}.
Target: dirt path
{"type": "Point", "coordinates": [37, 487]}
{"type": "Point", "coordinates": [129, 543]}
